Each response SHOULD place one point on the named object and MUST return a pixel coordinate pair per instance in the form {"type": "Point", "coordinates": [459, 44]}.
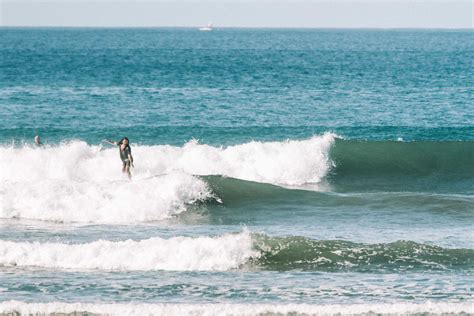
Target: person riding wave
{"type": "Point", "coordinates": [125, 154]}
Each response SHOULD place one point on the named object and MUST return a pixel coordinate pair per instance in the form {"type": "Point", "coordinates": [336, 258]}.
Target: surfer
{"type": "Point", "coordinates": [125, 154]}
{"type": "Point", "coordinates": [37, 141]}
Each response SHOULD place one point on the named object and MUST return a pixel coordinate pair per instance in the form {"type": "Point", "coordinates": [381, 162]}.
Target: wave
{"type": "Point", "coordinates": [232, 192]}
{"type": "Point", "coordinates": [405, 308]}
{"type": "Point", "coordinates": [291, 162]}
{"type": "Point", "coordinates": [428, 166]}
{"type": "Point", "coordinates": [77, 182]}
{"type": "Point", "coordinates": [288, 253]}
{"type": "Point", "coordinates": [106, 202]}
{"type": "Point", "coordinates": [396, 158]}
{"type": "Point", "coordinates": [235, 251]}
{"type": "Point", "coordinates": [179, 254]}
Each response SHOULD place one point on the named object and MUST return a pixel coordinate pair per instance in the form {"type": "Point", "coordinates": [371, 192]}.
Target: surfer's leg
{"type": "Point", "coordinates": [126, 168]}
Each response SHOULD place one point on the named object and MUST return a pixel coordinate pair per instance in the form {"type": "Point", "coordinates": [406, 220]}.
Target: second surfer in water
{"type": "Point", "coordinates": [125, 154]}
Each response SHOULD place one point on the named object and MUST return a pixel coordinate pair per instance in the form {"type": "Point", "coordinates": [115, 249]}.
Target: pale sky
{"type": "Point", "coordinates": [239, 13]}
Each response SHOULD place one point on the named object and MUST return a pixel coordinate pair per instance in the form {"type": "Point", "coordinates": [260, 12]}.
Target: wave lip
{"type": "Point", "coordinates": [177, 254]}
{"type": "Point", "coordinates": [292, 162]}
{"type": "Point", "coordinates": [131, 309]}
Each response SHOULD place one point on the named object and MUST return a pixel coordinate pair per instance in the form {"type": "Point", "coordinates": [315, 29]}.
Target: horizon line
{"type": "Point", "coordinates": [235, 27]}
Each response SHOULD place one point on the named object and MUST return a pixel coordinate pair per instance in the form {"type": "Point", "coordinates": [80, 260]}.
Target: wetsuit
{"type": "Point", "coordinates": [125, 154]}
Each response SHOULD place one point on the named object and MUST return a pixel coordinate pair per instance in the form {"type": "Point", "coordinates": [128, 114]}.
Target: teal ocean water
{"type": "Point", "coordinates": [277, 171]}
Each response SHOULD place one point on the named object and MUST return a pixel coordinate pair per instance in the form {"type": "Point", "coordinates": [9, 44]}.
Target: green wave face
{"type": "Point", "coordinates": [359, 166]}
{"type": "Point", "coordinates": [234, 193]}
{"type": "Point", "coordinates": [402, 165]}
{"type": "Point", "coordinates": [299, 253]}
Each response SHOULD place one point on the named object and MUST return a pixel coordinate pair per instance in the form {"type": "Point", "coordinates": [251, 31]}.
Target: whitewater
{"type": "Point", "coordinates": [77, 182]}
{"type": "Point", "coordinates": [276, 172]}
{"type": "Point", "coordinates": [233, 309]}
{"type": "Point", "coordinates": [209, 187]}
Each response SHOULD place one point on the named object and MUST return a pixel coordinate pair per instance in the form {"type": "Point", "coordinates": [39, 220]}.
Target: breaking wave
{"type": "Point", "coordinates": [242, 250]}
{"type": "Point", "coordinates": [77, 182]}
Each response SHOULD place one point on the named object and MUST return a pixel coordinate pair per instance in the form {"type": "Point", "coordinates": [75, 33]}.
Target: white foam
{"type": "Point", "coordinates": [293, 162]}
{"type": "Point", "coordinates": [76, 182]}
{"type": "Point", "coordinates": [428, 307]}
{"type": "Point", "coordinates": [80, 183]}
{"type": "Point", "coordinates": [101, 202]}
{"type": "Point", "coordinates": [220, 253]}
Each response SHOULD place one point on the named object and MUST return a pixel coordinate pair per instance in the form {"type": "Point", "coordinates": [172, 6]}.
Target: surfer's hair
{"type": "Point", "coordinates": [125, 138]}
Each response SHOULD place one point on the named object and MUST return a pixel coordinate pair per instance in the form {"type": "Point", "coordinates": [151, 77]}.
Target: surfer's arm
{"type": "Point", "coordinates": [130, 157]}
{"type": "Point", "coordinates": [110, 142]}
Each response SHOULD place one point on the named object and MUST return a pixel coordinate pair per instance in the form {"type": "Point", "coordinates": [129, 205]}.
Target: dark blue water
{"type": "Point", "coordinates": [275, 171]}
{"type": "Point", "coordinates": [168, 85]}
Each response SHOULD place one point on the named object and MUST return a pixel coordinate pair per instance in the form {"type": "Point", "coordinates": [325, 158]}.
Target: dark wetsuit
{"type": "Point", "coordinates": [125, 154]}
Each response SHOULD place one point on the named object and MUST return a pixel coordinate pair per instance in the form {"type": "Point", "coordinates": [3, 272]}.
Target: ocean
{"type": "Point", "coordinates": [276, 171]}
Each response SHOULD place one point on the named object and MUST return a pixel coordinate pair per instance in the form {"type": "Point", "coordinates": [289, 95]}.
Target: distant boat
{"type": "Point", "coordinates": [206, 28]}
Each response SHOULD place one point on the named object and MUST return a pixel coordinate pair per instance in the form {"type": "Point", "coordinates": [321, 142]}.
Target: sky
{"type": "Point", "coordinates": [239, 13]}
